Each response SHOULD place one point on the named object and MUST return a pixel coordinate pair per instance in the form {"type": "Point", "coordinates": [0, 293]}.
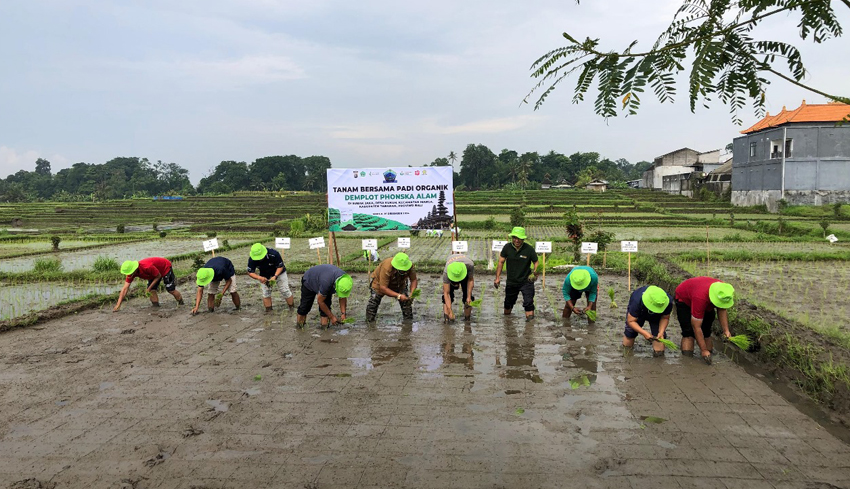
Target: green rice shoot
{"type": "Point", "coordinates": [667, 343]}
{"type": "Point", "coordinates": [742, 341]}
{"type": "Point", "coordinates": [591, 315]}
{"type": "Point", "coordinates": [416, 293]}
{"type": "Point", "coordinates": [611, 295]}
{"type": "Point", "coordinates": [476, 303]}
{"type": "Point", "coordinates": [218, 298]}
{"type": "Point", "coordinates": [349, 320]}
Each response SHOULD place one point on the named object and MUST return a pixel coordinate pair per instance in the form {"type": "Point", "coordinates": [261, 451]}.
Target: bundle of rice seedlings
{"type": "Point", "coordinates": [742, 341]}
{"type": "Point", "coordinates": [348, 321]}
{"type": "Point", "coordinates": [218, 299]}
{"type": "Point", "coordinates": [611, 295]}
{"type": "Point", "coordinates": [667, 343]}
{"type": "Point", "coordinates": [476, 303]}
{"type": "Point", "coordinates": [416, 293]}
{"type": "Point", "coordinates": [591, 315]}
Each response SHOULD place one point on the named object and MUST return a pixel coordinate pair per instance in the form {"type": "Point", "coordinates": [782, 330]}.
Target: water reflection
{"type": "Point", "coordinates": [519, 351]}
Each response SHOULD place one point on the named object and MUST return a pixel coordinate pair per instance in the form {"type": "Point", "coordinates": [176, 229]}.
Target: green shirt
{"type": "Point", "coordinates": [518, 262]}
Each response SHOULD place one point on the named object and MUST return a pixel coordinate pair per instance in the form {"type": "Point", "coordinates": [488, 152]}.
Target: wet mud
{"type": "Point", "coordinates": [246, 399]}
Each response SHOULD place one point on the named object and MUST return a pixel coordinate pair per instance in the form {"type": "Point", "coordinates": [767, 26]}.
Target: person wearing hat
{"type": "Point", "coordinates": [458, 274]}
{"type": "Point", "coordinates": [521, 262]}
{"type": "Point", "coordinates": [322, 282]}
{"type": "Point", "coordinates": [698, 301]}
{"type": "Point", "coordinates": [394, 277]}
{"type": "Point", "coordinates": [648, 303]}
{"type": "Point", "coordinates": [266, 265]}
{"type": "Point", "coordinates": [580, 280]}
{"type": "Point", "coordinates": [154, 270]}
{"type": "Point", "coordinates": [212, 273]}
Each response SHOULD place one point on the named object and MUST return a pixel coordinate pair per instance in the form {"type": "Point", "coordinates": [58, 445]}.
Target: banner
{"type": "Point", "coordinates": [381, 199]}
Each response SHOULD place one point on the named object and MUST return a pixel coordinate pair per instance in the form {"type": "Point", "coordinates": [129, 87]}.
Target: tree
{"type": "Point", "coordinates": [42, 166]}
{"type": "Point", "coordinates": [226, 177]}
{"type": "Point", "coordinates": [714, 36]}
{"type": "Point", "coordinates": [452, 157]}
{"type": "Point", "coordinates": [440, 162]}
{"type": "Point", "coordinates": [476, 160]}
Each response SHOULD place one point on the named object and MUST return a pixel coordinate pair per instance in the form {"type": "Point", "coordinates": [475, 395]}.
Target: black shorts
{"type": "Point", "coordinates": [654, 325]}
{"type": "Point", "coordinates": [512, 293]}
{"type": "Point", "coordinates": [307, 299]}
{"type": "Point", "coordinates": [455, 286]}
{"type": "Point", "coordinates": [576, 294]}
{"type": "Point", "coordinates": [683, 312]}
{"type": "Point", "coordinates": [168, 280]}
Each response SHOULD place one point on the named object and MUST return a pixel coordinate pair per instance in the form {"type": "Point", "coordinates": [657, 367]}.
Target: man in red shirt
{"type": "Point", "coordinates": [697, 299]}
{"type": "Point", "coordinates": [154, 270]}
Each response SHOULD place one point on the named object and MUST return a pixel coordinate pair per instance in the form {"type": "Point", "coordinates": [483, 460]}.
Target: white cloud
{"type": "Point", "coordinates": [487, 126]}
{"type": "Point", "coordinates": [11, 161]}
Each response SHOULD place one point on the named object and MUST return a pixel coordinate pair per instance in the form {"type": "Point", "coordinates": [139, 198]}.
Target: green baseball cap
{"type": "Point", "coordinates": [518, 232]}
{"type": "Point", "coordinates": [722, 295]}
{"type": "Point", "coordinates": [402, 262]}
{"type": "Point", "coordinates": [204, 276]}
{"type": "Point", "coordinates": [579, 279]}
{"type": "Point", "coordinates": [258, 251]}
{"type": "Point", "coordinates": [129, 266]}
{"type": "Point", "coordinates": [655, 299]}
{"type": "Point", "coordinates": [343, 286]}
{"type": "Point", "coordinates": [456, 271]}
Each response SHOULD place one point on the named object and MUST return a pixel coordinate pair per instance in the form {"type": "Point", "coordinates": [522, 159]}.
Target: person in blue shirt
{"type": "Point", "coordinates": [265, 265]}
{"type": "Point", "coordinates": [648, 303]}
{"type": "Point", "coordinates": [580, 280]}
{"type": "Point", "coordinates": [319, 284]}
{"type": "Point", "coordinates": [212, 274]}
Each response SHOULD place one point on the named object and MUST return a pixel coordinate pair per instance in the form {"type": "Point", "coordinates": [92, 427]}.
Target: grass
{"type": "Point", "coordinates": [105, 264]}
{"type": "Point", "coordinates": [47, 265]}
{"type": "Point", "coordinates": [742, 341]}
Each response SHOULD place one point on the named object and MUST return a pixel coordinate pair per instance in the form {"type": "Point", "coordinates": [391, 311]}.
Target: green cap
{"type": "Point", "coordinates": [518, 232]}
{"type": "Point", "coordinates": [258, 251]}
{"type": "Point", "coordinates": [722, 295]}
{"type": "Point", "coordinates": [343, 286]}
{"type": "Point", "coordinates": [402, 262]}
{"type": "Point", "coordinates": [204, 276]}
{"type": "Point", "coordinates": [456, 271]}
{"type": "Point", "coordinates": [129, 266]}
{"type": "Point", "coordinates": [579, 279]}
{"type": "Point", "coordinates": [655, 299]}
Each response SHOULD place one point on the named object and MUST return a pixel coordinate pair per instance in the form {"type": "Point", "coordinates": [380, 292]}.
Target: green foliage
{"type": "Point", "coordinates": [517, 217]}
{"type": "Point", "coordinates": [198, 262]}
{"type": "Point", "coordinates": [119, 229]}
{"type": "Point", "coordinates": [714, 36]}
{"type": "Point", "coordinates": [836, 209]}
{"type": "Point", "coordinates": [490, 223]}
{"type": "Point", "coordinates": [314, 223]}
{"type": "Point", "coordinates": [54, 241]}
{"type": "Point", "coordinates": [162, 234]}
{"type": "Point", "coordinates": [105, 264]}
{"type": "Point", "coordinates": [296, 228]}
{"type": "Point", "coordinates": [824, 224]}
{"type": "Point", "coordinates": [47, 265]}
{"type": "Point", "coordinates": [211, 234]}
{"type": "Point", "coordinates": [155, 227]}
{"type": "Point", "coordinates": [601, 237]}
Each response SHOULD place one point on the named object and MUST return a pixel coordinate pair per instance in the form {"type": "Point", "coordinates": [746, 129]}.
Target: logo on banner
{"type": "Point", "coordinates": [416, 173]}
{"type": "Point", "coordinates": [363, 174]}
{"type": "Point", "coordinates": [355, 173]}
{"type": "Point", "coordinates": [389, 176]}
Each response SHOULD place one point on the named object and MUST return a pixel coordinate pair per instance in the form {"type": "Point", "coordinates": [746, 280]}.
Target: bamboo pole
{"type": "Point", "coordinates": [630, 271]}
{"type": "Point", "coordinates": [318, 257]}
{"type": "Point", "coordinates": [336, 250]}
{"type": "Point", "coordinates": [544, 269]}
{"type": "Point", "coordinates": [707, 254]}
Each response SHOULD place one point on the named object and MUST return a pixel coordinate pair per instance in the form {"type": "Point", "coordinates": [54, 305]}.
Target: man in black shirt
{"type": "Point", "coordinates": [265, 265]}
{"type": "Point", "coordinates": [521, 261]}
{"type": "Point", "coordinates": [213, 272]}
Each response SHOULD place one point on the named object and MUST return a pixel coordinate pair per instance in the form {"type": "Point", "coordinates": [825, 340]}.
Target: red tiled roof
{"type": "Point", "coordinates": [831, 112]}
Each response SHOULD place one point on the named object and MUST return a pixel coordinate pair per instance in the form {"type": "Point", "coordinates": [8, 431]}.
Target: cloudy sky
{"type": "Point", "coordinates": [369, 83]}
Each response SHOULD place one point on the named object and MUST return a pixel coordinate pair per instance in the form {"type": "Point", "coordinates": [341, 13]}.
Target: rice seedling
{"type": "Point", "coordinates": [742, 341]}
{"type": "Point", "coordinates": [416, 293]}
{"type": "Point", "coordinates": [218, 298]}
{"type": "Point", "coordinates": [348, 320]}
{"type": "Point", "coordinates": [47, 265]}
{"type": "Point", "coordinates": [105, 264]}
{"type": "Point", "coordinates": [476, 303]}
{"type": "Point", "coordinates": [667, 343]}
{"type": "Point", "coordinates": [611, 295]}
{"type": "Point", "coordinates": [258, 378]}
{"type": "Point", "coordinates": [591, 315]}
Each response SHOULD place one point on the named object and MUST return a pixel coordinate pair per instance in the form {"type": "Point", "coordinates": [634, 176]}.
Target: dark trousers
{"type": "Point", "coordinates": [683, 312]}
{"type": "Point", "coordinates": [307, 298]}
{"type": "Point", "coordinates": [375, 302]}
{"type": "Point", "coordinates": [512, 293]}
{"type": "Point", "coordinates": [453, 287]}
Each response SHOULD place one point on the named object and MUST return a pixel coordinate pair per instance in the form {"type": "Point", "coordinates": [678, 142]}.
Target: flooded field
{"type": "Point", "coordinates": [156, 398]}
{"type": "Point", "coordinates": [18, 300]}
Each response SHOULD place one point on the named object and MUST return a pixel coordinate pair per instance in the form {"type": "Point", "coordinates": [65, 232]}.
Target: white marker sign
{"type": "Point", "coordinates": [589, 248]}
{"type": "Point", "coordinates": [282, 243]}
{"type": "Point", "coordinates": [404, 242]}
{"type": "Point", "coordinates": [370, 244]}
{"type": "Point", "coordinates": [832, 238]}
{"type": "Point", "coordinates": [498, 245]}
{"type": "Point", "coordinates": [211, 244]}
{"type": "Point", "coordinates": [460, 246]}
{"type": "Point", "coordinates": [543, 247]}
{"type": "Point", "coordinates": [316, 243]}
{"type": "Point", "coordinates": [629, 246]}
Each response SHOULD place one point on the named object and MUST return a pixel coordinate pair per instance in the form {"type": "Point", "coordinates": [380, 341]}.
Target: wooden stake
{"type": "Point", "coordinates": [544, 269]}
{"type": "Point", "coordinates": [707, 254]}
{"type": "Point", "coordinates": [336, 249]}
{"type": "Point", "coordinates": [588, 259]}
{"type": "Point", "coordinates": [318, 257]}
{"type": "Point", "coordinates": [630, 271]}
{"type": "Point", "coordinates": [604, 258]}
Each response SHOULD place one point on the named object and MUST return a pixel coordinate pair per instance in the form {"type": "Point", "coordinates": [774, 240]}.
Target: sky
{"type": "Point", "coordinates": [373, 83]}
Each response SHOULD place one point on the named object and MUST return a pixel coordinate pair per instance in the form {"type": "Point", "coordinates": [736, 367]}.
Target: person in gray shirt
{"type": "Point", "coordinates": [458, 274]}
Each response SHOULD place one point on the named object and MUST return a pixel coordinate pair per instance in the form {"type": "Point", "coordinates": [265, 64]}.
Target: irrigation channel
{"type": "Point", "coordinates": [157, 398]}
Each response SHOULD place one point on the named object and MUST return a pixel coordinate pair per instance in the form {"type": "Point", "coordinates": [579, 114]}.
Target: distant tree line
{"type": "Point", "coordinates": [128, 177]}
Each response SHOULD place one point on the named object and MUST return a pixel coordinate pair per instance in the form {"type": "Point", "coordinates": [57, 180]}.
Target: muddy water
{"type": "Point", "coordinates": [17, 300]}
{"type": "Point", "coordinates": [245, 399]}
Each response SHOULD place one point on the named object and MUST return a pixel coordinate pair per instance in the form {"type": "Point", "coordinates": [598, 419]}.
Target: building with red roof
{"type": "Point", "coordinates": [800, 155]}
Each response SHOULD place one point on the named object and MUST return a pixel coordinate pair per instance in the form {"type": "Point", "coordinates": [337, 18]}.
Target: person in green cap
{"type": "Point", "coordinates": [265, 265]}
{"type": "Point", "coordinates": [212, 273]}
{"type": "Point", "coordinates": [458, 274]}
{"type": "Point", "coordinates": [648, 303]}
{"type": "Point", "coordinates": [580, 280]}
{"type": "Point", "coordinates": [321, 282]}
{"type": "Point", "coordinates": [394, 277]}
{"type": "Point", "coordinates": [698, 300]}
{"type": "Point", "coordinates": [521, 262]}
{"type": "Point", "coordinates": [155, 270]}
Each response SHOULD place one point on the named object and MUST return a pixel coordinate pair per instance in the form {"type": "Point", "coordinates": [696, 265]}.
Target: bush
{"type": "Point", "coordinates": [296, 228]}
{"type": "Point", "coordinates": [198, 262]}
{"type": "Point", "coordinates": [211, 234]}
{"type": "Point", "coordinates": [47, 265]}
{"type": "Point", "coordinates": [55, 240]}
{"type": "Point", "coordinates": [155, 227]}
{"type": "Point", "coordinates": [162, 234]}
{"type": "Point", "coordinates": [119, 229]}
{"type": "Point", "coordinates": [490, 223]}
{"type": "Point", "coordinates": [601, 238]}
{"type": "Point", "coordinates": [517, 217]}
{"type": "Point", "coordinates": [105, 264]}
{"type": "Point", "coordinates": [825, 226]}
{"type": "Point", "coordinates": [314, 223]}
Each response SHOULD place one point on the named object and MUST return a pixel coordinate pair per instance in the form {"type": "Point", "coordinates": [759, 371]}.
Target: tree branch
{"type": "Point", "coordinates": [806, 87]}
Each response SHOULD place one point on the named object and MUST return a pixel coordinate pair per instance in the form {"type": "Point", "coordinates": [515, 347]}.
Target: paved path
{"type": "Point", "coordinates": [155, 398]}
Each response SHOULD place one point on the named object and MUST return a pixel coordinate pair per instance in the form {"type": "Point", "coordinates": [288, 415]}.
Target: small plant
{"type": "Point", "coordinates": [47, 265]}
{"type": "Point", "coordinates": [104, 264]}
{"type": "Point", "coordinates": [611, 295]}
{"type": "Point", "coordinates": [218, 298]}
{"type": "Point", "coordinates": [119, 229]}
{"type": "Point", "coordinates": [591, 315]}
{"type": "Point", "coordinates": [296, 228]}
{"type": "Point", "coordinates": [211, 234]}
{"type": "Point", "coordinates": [258, 378]}
{"type": "Point", "coordinates": [416, 293]}
{"type": "Point", "coordinates": [490, 223]}
{"type": "Point", "coordinates": [517, 217]}
{"type": "Point", "coordinates": [732, 219]}
{"type": "Point", "coordinates": [349, 320]}
{"type": "Point", "coordinates": [55, 240]}
{"type": "Point", "coordinates": [476, 303]}
{"type": "Point", "coordinates": [155, 227]}
{"type": "Point", "coordinates": [825, 226]}
{"type": "Point", "coordinates": [225, 244]}
{"type": "Point", "coordinates": [667, 343]}
{"type": "Point", "coordinates": [198, 262]}
{"type": "Point", "coordinates": [162, 234]}
{"type": "Point", "coordinates": [742, 341]}
{"type": "Point", "coordinates": [836, 209]}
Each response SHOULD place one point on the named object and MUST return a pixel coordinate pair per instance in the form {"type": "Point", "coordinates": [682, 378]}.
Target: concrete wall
{"type": "Point", "coordinates": [654, 178]}
{"type": "Point", "coordinates": [819, 163]}
{"type": "Point", "coordinates": [682, 157]}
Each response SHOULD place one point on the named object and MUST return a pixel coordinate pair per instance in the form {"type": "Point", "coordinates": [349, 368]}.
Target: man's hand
{"type": "Point", "coordinates": [578, 310]}
{"type": "Point", "coordinates": [648, 336]}
{"type": "Point", "coordinates": [264, 280]}
{"type": "Point", "coordinates": [342, 317]}
{"type": "Point", "coordinates": [706, 353]}
{"type": "Point", "coordinates": [496, 282]}
{"type": "Point", "coordinates": [194, 311]}
{"type": "Point", "coordinates": [402, 298]}
{"type": "Point", "coordinates": [115, 309]}
{"type": "Point", "coordinates": [469, 301]}
{"type": "Point", "coordinates": [532, 277]}
{"type": "Point", "coordinates": [334, 320]}
{"type": "Point", "coordinates": [451, 315]}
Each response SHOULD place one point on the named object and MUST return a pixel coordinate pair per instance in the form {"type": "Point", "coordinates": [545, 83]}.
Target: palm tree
{"type": "Point", "coordinates": [452, 157]}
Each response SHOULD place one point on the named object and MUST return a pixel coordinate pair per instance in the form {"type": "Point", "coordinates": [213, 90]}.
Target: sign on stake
{"type": "Point", "coordinates": [543, 247]}
{"type": "Point", "coordinates": [460, 246]}
{"type": "Point", "coordinates": [403, 243]}
{"type": "Point", "coordinates": [629, 247]}
{"type": "Point", "coordinates": [316, 244]}
{"type": "Point", "coordinates": [590, 249]}
{"type": "Point", "coordinates": [211, 245]}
